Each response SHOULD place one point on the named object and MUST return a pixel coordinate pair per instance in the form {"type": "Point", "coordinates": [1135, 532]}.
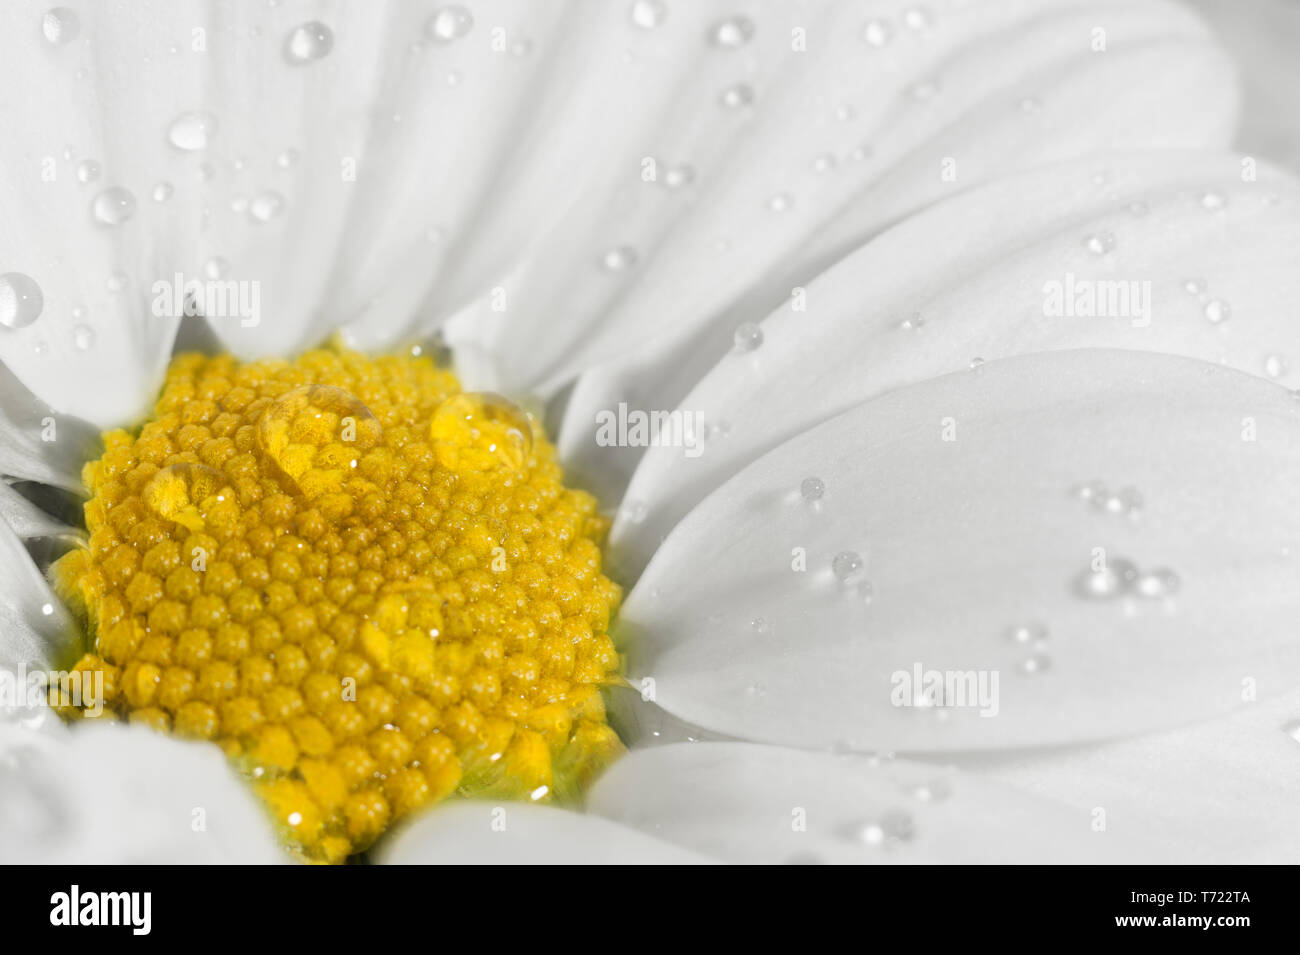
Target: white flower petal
{"type": "Point", "coordinates": [96, 350]}
{"type": "Point", "coordinates": [1223, 791]}
{"type": "Point", "coordinates": [1262, 36]}
{"type": "Point", "coordinates": [960, 497]}
{"type": "Point", "coordinates": [28, 521]}
{"type": "Point", "coordinates": [747, 803]}
{"type": "Point", "coordinates": [38, 444]}
{"type": "Point", "coordinates": [1019, 86]}
{"type": "Point", "coordinates": [485, 833]}
{"type": "Point", "coordinates": [36, 631]}
{"type": "Point", "coordinates": [1183, 229]}
{"type": "Point", "coordinates": [112, 794]}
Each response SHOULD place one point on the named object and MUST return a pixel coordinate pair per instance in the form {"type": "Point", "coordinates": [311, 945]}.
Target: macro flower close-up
{"type": "Point", "coordinates": [649, 432]}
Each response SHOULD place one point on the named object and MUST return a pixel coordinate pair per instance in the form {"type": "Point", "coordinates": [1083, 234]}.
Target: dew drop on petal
{"type": "Point", "coordinates": [677, 176]}
{"type": "Point", "coordinates": [448, 24]}
{"type": "Point", "coordinates": [1154, 584]}
{"type": "Point", "coordinates": [116, 282]}
{"type": "Point", "coordinates": [936, 791]}
{"type": "Point", "coordinates": [1217, 310]}
{"type": "Point", "coordinates": [481, 431]}
{"type": "Point", "coordinates": [216, 268]}
{"type": "Point", "coordinates": [113, 206]}
{"type": "Point", "coordinates": [192, 131]}
{"type": "Point", "coordinates": [181, 492]}
{"type": "Point", "coordinates": [307, 43]}
{"type": "Point", "coordinates": [891, 827]}
{"type": "Point", "coordinates": [846, 565]}
{"type": "Point", "coordinates": [878, 33]}
{"type": "Point", "coordinates": [60, 25]}
{"type": "Point", "coordinates": [83, 337]}
{"type": "Point", "coordinates": [315, 435]}
{"type": "Point", "coordinates": [1194, 286]}
{"type": "Point", "coordinates": [287, 158]}
{"type": "Point", "coordinates": [265, 207]}
{"type": "Point", "coordinates": [619, 259]}
{"type": "Point", "coordinates": [731, 33]}
{"type": "Point", "coordinates": [21, 300]}
{"type": "Point", "coordinates": [1107, 583]}
{"type": "Point", "coordinates": [162, 192]}
{"type": "Point", "coordinates": [1031, 633]}
{"type": "Point", "coordinates": [633, 511]}
{"type": "Point", "coordinates": [812, 489]}
{"type": "Point", "coordinates": [87, 171]}
{"type": "Point", "coordinates": [1274, 366]}
{"type": "Point", "coordinates": [1035, 663]}
{"type": "Point", "coordinates": [917, 18]}
{"type": "Point", "coordinates": [1099, 243]}
{"type": "Point", "coordinates": [648, 14]}
{"type": "Point", "coordinates": [737, 97]}
{"type": "Point", "coordinates": [747, 337]}
{"type": "Point", "coordinates": [1213, 201]}
{"type": "Point", "coordinates": [781, 202]}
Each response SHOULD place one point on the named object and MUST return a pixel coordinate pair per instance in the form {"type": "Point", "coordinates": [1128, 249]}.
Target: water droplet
{"type": "Point", "coordinates": [737, 97]}
{"type": "Point", "coordinates": [83, 337]}
{"type": "Point", "coordinates": [190, 132]}
{"type": "Point", "coordinates": [448, 24]}
{"type": "Point", "coordinates": [162, 192]}
{"type": "Point", "coordinates": [60, 25]}
{"type": "Point", "coordinates": [844, 112]}
{"type": "Point", "coordinates": [481, 431]}
{"type": "Point", "coordinates": [116, 282]}
{"type": "Point", "coordinates": [648, 14]}
{"type": "Point", "coordinates": [619, 259]}
{"type": "Point", "coordinates": [780, 202]}
{"type": "Point", "coordinates": [21, 300]}
{"type": "Point", "coordinates": [287, 158]}
{"type": "Point", "coordinates": [976, 363]}
{"type": "Point", "coordinates": [747, 337]}
{"type": "Point", "coordinates": [1213, 201]}
{"type": "Point", "coordinates": [1099, 243]}
{"type": "Point", "coordinates": [1194, 286]}
{"type": "Point", "coordinates": [1217, 310]}
{"type": "Point", "coordinates": [266, 207]}
{"type": "Point", "coordinates": [1154, 584]}
{"type": "Point", "coordinates": [878, 33]}
{"type": "Point", "coordinates": [216, 268]}
{"type": "Point", "coordinates": [759, 625]}
{"type": "Point", "coordinates": [677, 176]}
{"type": "Point", "coordinates": [846, 565]}
{"type": "Point", "coordinates": [917, 18]}
{"type": "Point", "coordinates": [935, 791]}
{"type": "Point", "coordinates": [1032, 633]}
{"type": "Point", "coordinates": [1035, 663]}
{"type": "Point", "coordinates": [823, 163]}
{"type": "Point", "coordinates": [308, 43]}
{"type": "Point", "coordinates": [315, 435]}
{"type": "Point", "coordinates": [812, 489]}
{"type": "Point", "coordinates": [113, 206]}
{"type": "Point", "coordinates": [892, 827]}
{"type": "Point", "coordinates": [731, 33]}
{"type": "Point", "coordinates": [1111, 581]}
{"type": "Point", "coordinates": [239, 203]}
{"type": "Point", "coordinates": [184, 493]}
{"type": "Point", "coordinates": [87, 171]}
{"type": "Point", "coordinates": [1274, 366]}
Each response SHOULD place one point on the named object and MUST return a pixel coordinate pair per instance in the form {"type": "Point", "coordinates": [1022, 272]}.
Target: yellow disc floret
{"type": "Point", "coordinates": [369, 587]}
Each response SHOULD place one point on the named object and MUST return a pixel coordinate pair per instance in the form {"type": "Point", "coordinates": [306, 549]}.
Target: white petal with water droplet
{"type": "Point", "coordinates": [886, 316]}
{"type": "Point", "coordinates": [36, 630]}
{"type": "Point", "coordinates": [747, 803]}
{"type": "Point", "coordinates": [485, 833]}
{"type": "Point", "coordinates": [960, 495]}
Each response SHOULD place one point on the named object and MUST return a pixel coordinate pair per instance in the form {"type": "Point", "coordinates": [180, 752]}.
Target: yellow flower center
{"type": "Point", "coordinates": [370, 588]}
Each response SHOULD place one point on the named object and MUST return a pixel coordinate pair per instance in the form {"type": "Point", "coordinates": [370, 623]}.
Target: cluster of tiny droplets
{"type": "Point", "coordinates": [370, 588]}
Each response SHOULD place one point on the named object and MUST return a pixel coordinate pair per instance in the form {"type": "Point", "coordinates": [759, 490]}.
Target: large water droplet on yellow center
{"type": "Point", "coordinates": [316, 435]}
{"type": "Point", "coordinates": [481, 431]}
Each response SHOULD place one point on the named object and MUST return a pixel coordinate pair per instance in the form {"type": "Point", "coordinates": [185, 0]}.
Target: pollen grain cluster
{"type": "Point", "coordinates": [370, 588]}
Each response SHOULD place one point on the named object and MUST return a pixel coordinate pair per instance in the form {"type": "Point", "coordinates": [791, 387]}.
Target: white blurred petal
{"type": "Point", "coordinates": [484, 833]}
{"type": "Point", "coordinates": [964, 541]}
{"type": "Point", "coordinates": [36, 630]}
{"type": "Point", "coordinates": [747, 803]}
{"type": "Point", "coordinates": [1262, 37]}
{"type": "Point", "coordinates": [27, 520]}
{"type": "Point", "coordinates": [1216, 792]}
{"type": "Point", "coordinates": [38, 444]}
{"type": "Point", "coordinates": [887, 316]}
{"type": "Point", "coordinates": [112, 794]}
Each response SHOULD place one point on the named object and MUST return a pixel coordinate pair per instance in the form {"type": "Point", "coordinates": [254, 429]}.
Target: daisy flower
{"type": "Point", "coordinates": [647, 431]}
